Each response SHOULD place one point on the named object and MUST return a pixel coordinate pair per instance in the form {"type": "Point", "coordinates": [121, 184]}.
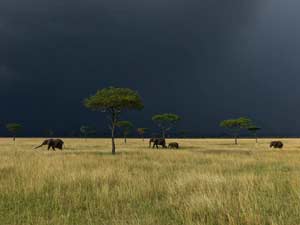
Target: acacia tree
{"type": "Point", "coordinates": [254, 129]}
{"type": "Point", "coordinates": [87, 131]}
{"type": "Point", "coordinates": [126, 127]}
{"type": "Point", "coordinates": [114, 101]}
{"type": "Point", "coordinates": [236, 125]}
{"type": "Point", "coordinates": [165, 122]}
{"type": "Point", "coordinates": [14, 128]}
{"type": "Point", "coordinates": [141, 132]}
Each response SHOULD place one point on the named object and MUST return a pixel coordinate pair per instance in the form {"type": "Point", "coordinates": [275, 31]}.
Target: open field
{"type": "Point", "coordinates": [208, 181]}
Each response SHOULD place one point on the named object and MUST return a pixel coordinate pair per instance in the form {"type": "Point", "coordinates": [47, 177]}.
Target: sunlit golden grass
{"type": "Point", "coordinates": [207, 181]}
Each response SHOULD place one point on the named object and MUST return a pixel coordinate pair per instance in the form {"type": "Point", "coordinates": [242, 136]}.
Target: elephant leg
{"type": "Point", "coordinates": [49, 147]}
{"type": "Point", "coordinates": [53, 148]}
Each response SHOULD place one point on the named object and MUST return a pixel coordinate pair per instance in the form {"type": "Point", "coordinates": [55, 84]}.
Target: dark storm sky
{"type": "Point", "coordinates": [205, 60]}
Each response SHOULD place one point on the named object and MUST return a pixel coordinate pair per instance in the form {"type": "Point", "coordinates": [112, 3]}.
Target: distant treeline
{"type": "Point", "coordinates": [113, 102]}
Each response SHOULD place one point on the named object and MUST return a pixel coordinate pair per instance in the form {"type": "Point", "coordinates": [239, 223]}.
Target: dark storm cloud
{"type": "Point", "coordinates": [206, 60]}
{"type": "Point", "coordinates": [7, 75]}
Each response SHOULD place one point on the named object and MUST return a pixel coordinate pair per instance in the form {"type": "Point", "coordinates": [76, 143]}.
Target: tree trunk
{"type": "Point", "coordinates": [113, 150]}
{"type": "Point", "coordinates": [235, 139]}
{"type": "Point", "coordinates": [125, 139]}
{"type": "Point", "coordinates": [163, 133]}
{"type": "Point", "coordinates": [14, 138]}
{"type": "Point", "coordinates": [256, 138]}
{"type": "Point", "coordinates": [114, 120]}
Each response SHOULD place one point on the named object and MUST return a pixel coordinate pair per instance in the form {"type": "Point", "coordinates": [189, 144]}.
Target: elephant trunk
{"type": "Point", "coordinates": [38, 146]}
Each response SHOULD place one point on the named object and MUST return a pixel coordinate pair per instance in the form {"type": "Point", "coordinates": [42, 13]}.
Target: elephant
{"type": "Point", "coordinates": [173, 145]}
{"type": "Point", "coordinates": [157, 141]}
{"type": "Point", "coordinates": [151, 141]}
{"type": "Point", "coordinates": [276, 144]}
{"type": "Point", "coordinates": [53, 143]}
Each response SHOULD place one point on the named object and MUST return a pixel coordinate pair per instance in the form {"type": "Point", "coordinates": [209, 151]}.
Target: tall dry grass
{"type": "Point", "coordinates": [206, 182]}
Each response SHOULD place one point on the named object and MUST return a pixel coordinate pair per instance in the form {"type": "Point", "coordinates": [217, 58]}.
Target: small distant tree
{"type": "Point", "coordinates": [254, 129]}
{"type": "Point", "coordinates": [236, 125]}
{"type": "Point", "coordinates": [87, 131]}
{"type": "Point", "coordinates": [14, 129]}
{"type": "Point", "coordinates": [114, 101]}
{"type": "Point", "coordinates": [141, 132]}
{"type": "Point", "coordinates": [126, 127]}
{"type": "Point", "coordinates": [165, 122]}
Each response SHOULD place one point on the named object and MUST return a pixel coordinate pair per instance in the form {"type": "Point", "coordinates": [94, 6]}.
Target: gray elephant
{"type": "Point", "coordinates": [276, 144]}
{"type": "Point", "coordinates": [158, 141]}
{"type": "Point", "coordinates": [53, 143]}
{"type": "Point", "coordinates": [173, 145]}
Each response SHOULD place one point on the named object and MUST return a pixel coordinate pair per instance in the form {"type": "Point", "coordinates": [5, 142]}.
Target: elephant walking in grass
{"type": "Point", "coordinates": [157, 141]}
{"type": "Point", "coordinates": [173, 145]}
{"type": "Point", "coordinates": [52, 143]}
{"type": "Point", "coordinates": [276, 144]}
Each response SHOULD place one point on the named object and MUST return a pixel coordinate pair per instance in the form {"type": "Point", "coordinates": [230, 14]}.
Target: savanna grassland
{"type": "Point", "coordinates": [208, 181]}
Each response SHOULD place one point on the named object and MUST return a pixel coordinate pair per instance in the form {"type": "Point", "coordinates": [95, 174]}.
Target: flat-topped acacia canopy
{"type": "Point", "coordinates": [113, 101]}
{"type": "Point", "coordinates": [117, 99]}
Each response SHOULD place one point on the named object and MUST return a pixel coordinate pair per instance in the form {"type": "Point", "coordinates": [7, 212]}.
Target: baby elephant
{"type": "Point", "coordinates": [53, 143]}
{"type": "Point", "coordinates": [276, 144]}
{"type": "Point", "coordinates": [173, 145]}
